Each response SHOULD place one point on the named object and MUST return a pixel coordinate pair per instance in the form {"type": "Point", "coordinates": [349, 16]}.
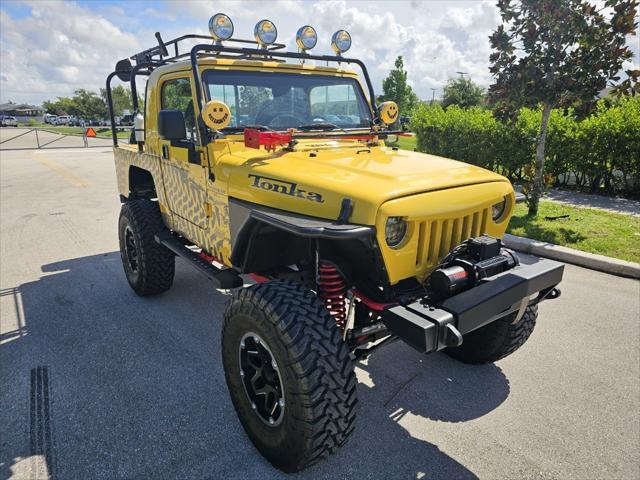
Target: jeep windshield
{"type": "Point", "coordinates": [280, 101]}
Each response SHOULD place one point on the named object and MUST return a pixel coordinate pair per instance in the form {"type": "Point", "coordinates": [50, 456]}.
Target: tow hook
{"type": "Point", "coordinates": [550, 294]}
{"type": "Point", "coordinates": [553, 294]}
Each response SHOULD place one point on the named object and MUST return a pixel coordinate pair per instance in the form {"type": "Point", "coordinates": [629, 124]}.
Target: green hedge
{"type": "Point", "coordinates": [601, 151]}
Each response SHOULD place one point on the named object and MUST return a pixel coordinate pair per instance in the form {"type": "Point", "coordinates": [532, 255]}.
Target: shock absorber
{"type": "Point", "coordinates": [333, 290]}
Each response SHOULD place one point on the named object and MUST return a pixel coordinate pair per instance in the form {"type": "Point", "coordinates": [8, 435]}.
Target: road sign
{"type": "Point", "coordinates": [90, 132]}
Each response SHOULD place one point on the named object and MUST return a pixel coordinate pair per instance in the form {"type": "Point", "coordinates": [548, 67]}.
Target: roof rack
{"type": "Point", "coordinates": [161, 51]}
{"type": "Point", "coordinates": [151, 58]}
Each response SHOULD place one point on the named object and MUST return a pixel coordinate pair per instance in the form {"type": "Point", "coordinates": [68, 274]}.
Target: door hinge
{"type": "Point", "coordinates": [208, 209]}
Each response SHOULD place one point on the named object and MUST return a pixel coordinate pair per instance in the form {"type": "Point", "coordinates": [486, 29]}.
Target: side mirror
{"type": "Point", "coordinates": [171, 125]}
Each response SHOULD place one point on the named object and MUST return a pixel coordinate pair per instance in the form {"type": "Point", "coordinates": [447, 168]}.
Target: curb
{"type": "Point", "coordinates": [593, 261]}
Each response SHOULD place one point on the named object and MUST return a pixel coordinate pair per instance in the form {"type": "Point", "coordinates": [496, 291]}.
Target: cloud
{"type": "Point", "coordinates": [435, 38]}
{"type": "Point", "coordinates": [62, 46]}
{"type": "Point", "coordinates": [58, 48]}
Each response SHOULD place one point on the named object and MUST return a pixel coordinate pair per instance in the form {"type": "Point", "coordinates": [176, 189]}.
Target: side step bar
{"type": "Point", "coordinates": [221, 278]}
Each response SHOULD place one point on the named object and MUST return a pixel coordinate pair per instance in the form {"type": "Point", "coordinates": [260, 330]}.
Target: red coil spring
{"type": "Point", "coordinates": [333, 290]}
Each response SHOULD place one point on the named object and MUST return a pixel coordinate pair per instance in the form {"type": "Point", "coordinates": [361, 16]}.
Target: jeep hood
{"type": "Point", "coordinates": [369, 176]}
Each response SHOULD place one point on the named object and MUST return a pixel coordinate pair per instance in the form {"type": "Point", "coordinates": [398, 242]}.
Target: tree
{"type": "Point", "coordinates": [121, 97]}
{"type": "Point", "coordinates": [83, 104]}
{"type": "Point", "coordinates": [551, 53]}
{"type": "Point", "coordinates": [88, 105]}
{"type": "Point", "coordinates": [62, 106]}
{"type": "Point", "coordinates": [52, 107]}
{"type": "Point", "coordinates": [462, 92]}
{"type": "Point", "coordinates": [396, 88]}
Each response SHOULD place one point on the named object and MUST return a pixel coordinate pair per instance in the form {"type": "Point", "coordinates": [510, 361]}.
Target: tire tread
{"type": "Point", "coordinates": [156, 261]}
{"type": "Point", "coordinates": [496, 340]}
{"type": "Point", "coordinates": [319, 358]}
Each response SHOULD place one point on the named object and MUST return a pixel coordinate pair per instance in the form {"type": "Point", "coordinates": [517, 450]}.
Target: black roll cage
{"type": "Point", "coordinates": [148, 60]}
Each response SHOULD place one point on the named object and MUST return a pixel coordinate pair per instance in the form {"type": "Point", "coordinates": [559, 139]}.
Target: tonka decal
{"type": "Point", "coordinates": [284, 187]}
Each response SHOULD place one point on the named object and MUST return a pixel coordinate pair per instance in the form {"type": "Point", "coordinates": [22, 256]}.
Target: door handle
{"type": "Point", "coordinates": [165, 151]}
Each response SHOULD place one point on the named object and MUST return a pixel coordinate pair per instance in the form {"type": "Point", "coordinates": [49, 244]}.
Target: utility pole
{"type": "Point", "coordinates": [433, 95]}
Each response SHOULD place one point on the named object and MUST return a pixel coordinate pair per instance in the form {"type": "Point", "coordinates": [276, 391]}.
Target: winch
{"type": "Point", "coordinates": [470, 262]}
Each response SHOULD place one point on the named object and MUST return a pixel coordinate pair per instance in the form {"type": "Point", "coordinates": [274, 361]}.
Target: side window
{"type": "Point", "coordinates": [176, 94]}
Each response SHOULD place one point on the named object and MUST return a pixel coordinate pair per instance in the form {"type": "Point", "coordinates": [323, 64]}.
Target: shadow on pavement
{"type": "Point", "coordinates": [99, 383]}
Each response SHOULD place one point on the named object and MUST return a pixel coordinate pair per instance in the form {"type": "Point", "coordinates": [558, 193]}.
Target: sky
{"type": "Point", "coordinates": [49, 48]}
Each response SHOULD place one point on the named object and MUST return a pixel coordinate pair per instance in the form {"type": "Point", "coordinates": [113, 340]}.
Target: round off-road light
{"type": "Point", "coordinates": [216, 115]}
{"type": "Point", "coordinates": [395, 231]}
{"type": "Point", "coordinates": [220, 27]}
{"type": "Point", "coordinates": [341, 41]}
{"type": "Point", "coordinates": [498, 209]}
{"type": "Point", "coordinates": [388, 112]}
{"type": "Point", "coordinates": [306, 38]}
{"type": "Point", "coordinates": [265, 32]}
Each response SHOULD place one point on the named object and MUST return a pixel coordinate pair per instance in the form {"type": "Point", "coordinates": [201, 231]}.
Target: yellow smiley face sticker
{"type": "Point", "coordinates": [389, 112]}
{"type": "Point", "coordinates": [216, 115]}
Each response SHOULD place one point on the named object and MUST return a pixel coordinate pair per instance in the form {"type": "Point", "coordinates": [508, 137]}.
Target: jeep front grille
{"type": "Point", "coordinates": [436, 238]}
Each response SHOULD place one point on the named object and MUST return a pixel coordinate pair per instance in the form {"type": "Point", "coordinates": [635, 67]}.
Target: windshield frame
{"type": "Point", "coordinates": [354, 80]}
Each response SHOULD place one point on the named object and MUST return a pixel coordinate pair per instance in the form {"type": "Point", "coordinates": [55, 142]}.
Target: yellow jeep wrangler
{"type": "Point", "coordinates": [268, 172]}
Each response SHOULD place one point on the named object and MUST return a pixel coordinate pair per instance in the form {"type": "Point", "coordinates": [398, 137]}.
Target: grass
{"type": "Point", "coordinates": [405, 143]}
{"type": "Point", "coordinates": [586, 229]}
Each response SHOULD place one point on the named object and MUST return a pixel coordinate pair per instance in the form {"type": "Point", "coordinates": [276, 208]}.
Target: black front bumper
{"type": "Point", "coordinates": [430, 328]}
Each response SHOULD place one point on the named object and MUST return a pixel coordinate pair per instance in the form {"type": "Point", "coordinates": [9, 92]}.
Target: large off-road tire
{"type": "Point", "coordinates": [289, 373]}
{"type": "Point", "coordinates": [148, 266]}
{"type": "Point", "coordinates": [495, 340]}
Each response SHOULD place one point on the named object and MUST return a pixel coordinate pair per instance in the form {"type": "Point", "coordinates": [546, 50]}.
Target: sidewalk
{"type": "Point", "coordinates": [611, 204]}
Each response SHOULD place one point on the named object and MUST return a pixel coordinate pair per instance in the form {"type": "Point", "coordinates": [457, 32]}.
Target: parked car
{"type": "Point", "coordinates": [63, 120]}
{"type": "Point", "coordinates": [8, 121]}
{"type": "Point", "coordinates": [126, 120]}
{"type": "Point", "coordinates": [50, 118]}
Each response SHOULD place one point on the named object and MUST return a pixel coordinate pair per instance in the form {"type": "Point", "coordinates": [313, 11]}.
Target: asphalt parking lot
{"type": "Point", "coordinates": [135, 387]}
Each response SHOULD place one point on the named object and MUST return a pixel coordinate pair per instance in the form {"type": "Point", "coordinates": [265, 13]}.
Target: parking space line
{"type": "Point", "coordinates": [60, 170]}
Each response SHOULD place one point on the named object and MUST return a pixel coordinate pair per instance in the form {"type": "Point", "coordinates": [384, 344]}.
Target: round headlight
{"type": "Point", "coordinates": [220, 27]}
{"type": "Point", "coordinates": [265, 32]}
{"type": "Point", "coordinates": [395, 231]}
{"type": "Point", "coordinates": [306, 38]}
{"type": "Point", "coordinates": [498, 209]}
{"type": "Point", "coordinates": [341, 41]}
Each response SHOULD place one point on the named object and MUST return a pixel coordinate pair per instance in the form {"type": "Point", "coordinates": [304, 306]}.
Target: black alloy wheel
{"type": "Point", "coordinates": [131, 250]}
{"type": "Point", "coordinates": [261, 379]}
